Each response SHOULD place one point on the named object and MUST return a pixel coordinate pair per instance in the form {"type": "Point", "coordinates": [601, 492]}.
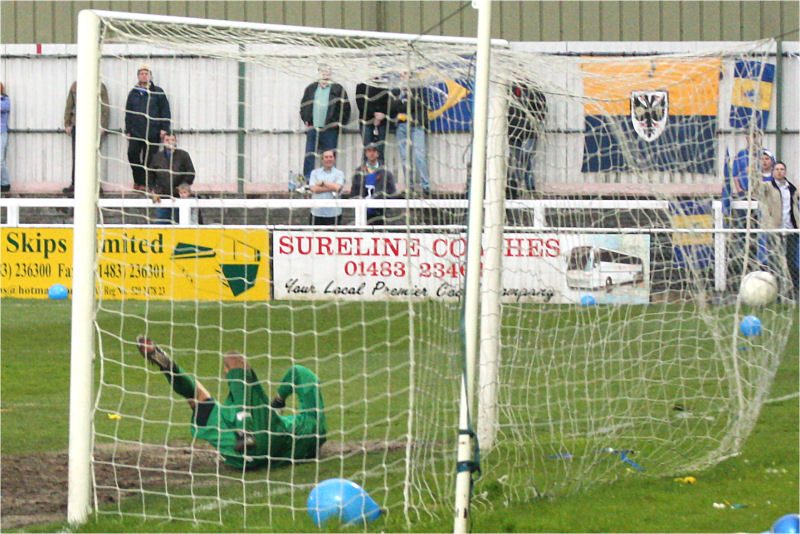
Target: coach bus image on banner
{"type": "Point", "coordinates": [590, 267]}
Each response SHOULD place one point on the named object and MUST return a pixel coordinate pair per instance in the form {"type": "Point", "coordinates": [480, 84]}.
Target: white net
{"type": "Point", "coordinates": [620, 348]}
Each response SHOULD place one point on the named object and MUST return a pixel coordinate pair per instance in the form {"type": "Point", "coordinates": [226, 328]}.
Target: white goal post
{"type": "Point", "coordinates": [604, 334]}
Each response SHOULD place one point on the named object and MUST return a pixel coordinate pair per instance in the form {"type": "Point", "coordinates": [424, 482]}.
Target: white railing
{"type": "Point", "coordinates": [13, 206]}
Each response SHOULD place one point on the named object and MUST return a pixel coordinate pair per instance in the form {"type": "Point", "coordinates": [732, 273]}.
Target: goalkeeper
{"type": "Point", "coordinates": [246, 429]}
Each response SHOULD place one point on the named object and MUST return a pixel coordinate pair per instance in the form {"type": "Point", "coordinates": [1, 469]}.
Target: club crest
{"type": "Point", "coordinates": [649, 111]}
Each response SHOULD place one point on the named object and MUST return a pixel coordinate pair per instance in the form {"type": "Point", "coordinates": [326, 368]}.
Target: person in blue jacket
{"type": "Point", "coordinates": [5, 110]}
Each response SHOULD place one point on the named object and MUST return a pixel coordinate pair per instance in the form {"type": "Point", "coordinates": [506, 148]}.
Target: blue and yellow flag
{"type": "Point", "coordinates": [450, 104]}
{"type": "Point", "coordinates": [651, 115]}
{"type": "Point", "coordinates": [692, 250]}
{"type": "Point", "coordinates": [752, 94]}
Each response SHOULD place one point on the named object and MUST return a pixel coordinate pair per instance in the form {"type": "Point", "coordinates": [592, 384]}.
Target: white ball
{"type": "Point", "coordinates": [758, 288]}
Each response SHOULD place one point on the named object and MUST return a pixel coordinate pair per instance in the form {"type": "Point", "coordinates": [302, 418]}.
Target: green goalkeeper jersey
{"type": "Point", "coordinates": [276, 437]}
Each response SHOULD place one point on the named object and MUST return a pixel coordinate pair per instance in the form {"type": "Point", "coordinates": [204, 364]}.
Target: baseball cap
{"type": "Point", "coordinates": [373, 146]}
{"type": "Point", "coordinates": [143, 67]}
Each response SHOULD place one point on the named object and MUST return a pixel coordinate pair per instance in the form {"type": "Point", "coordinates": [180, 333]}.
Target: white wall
{"type": "Point", "coordinates": [203, 96]}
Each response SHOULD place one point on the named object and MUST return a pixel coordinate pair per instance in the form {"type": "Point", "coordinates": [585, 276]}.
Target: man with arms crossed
{"type": "Point", "coordinates": [326, 182]}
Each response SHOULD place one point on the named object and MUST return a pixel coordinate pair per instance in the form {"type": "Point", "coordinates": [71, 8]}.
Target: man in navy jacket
{"type": "Point", "coordinates": [147, 119]}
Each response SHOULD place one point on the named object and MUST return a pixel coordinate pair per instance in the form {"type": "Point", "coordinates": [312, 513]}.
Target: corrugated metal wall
{"type": "Point", "coordinates": [54, 21]}
{"type": "Point", "coordinates": [203, 94]}
{"type": "Point", "coordinates": [39, 152]}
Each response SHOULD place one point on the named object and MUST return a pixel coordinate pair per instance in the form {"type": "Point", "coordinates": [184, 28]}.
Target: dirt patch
{"type": "Point", "coordinates": [34, 487]}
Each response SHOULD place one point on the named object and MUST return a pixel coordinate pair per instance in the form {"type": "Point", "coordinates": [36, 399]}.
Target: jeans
{"type": "Point", "coordinates": [4, 179]}
{"type": "Point", "coordinates": [368, 135]}
{"type": "Point", "coordinates": [791, 246]}
{"type": "Point", "coordinates": [419, 171]}
{"type": "Point", "coordinates": [318, 140]}
{"type": "Point", "coordinates": [166, 216]}
{"type": "Point", "coordinates": [520, 162]}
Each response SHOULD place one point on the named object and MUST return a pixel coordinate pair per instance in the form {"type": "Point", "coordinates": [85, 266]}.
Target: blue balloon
{"type": "Point", "coordinates": [57, 292]}
{"type": "Point", "coordinates": [587, 300]}
{"type": "Point", "coordinates": [788, 524]}
{"type": "Point", "coordinates": [750, 326]}
{"type": "Point", "coordinates": [337, 497]}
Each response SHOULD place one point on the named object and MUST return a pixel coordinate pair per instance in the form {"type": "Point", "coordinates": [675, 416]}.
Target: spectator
{"type": "Point", "coordinates": [69, 125]}
{"type": "Point", "coordinates": [373, 110]}
{"type": "Point", "coordinates": [147, 119]}
{"type": "Point", "coordinates": [746, 165]}
{"type": "Point", "coordinates": [373, 180]}
{"type": "Point", "coordinates": [409, 108]}
{"type": "Point", "coordinates": [742, 168]}
{"type": "Point", "coordinates": [526, 116]}
{"type": "Point", "coordinates": [779, 208]}
{"type": "Point", "coordinates": [326, 182]}
{"type": "Point", "coordinates": [170, 173]}
{"type": "Point", "coordinates": [5, 110]}
{"type": "Point", "coordinates": [324, 110]}
{"type": "Point", "coordinates": [767, 159]}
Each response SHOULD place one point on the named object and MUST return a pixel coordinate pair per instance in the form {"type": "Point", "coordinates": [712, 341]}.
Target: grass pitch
{"type": "Point", "coordinates": [35, 378]}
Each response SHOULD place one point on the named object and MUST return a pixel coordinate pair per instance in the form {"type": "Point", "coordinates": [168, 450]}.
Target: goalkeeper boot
{"type": "Point", "coordinates": [153, 353]}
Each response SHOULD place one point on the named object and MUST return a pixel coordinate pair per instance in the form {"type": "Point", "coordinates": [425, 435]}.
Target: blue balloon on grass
{"type": "Point", "coordinates": [587, 300]}
{"type": "Point", "coordinates": [343, 499]}
{"type": "Point", "coordinates": [788, 524]}
{"type": "Point", "coordinates": [750, 326]}
{"type": "Point", "coordinates": [57, 292]}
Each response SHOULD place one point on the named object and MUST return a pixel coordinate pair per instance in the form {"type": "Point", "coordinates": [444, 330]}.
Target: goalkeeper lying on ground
{"type": "Point", "coordinates": [246, 429]}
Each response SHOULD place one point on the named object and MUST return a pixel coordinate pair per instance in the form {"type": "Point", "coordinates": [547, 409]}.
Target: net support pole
{"type": "Point", "coordinates": [491, 290]}
{"type": "Point", "coordinates": [473, 275]}
{"type": "Point", "coordinates": [83, 259]}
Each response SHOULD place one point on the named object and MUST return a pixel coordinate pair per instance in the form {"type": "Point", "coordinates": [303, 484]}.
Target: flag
{"type": "Point", "coordinates": [450, 105]}
{"type": "Point", "coordinates": [692, 250]}
{"type": "Point", "coordinates": [752, 94]}
{"type": "Point", "coordinates": [651, 115]}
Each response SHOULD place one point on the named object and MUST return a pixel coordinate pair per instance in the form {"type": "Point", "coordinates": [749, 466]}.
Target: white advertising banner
{"type": "Point", "coordinates": [537, 267]}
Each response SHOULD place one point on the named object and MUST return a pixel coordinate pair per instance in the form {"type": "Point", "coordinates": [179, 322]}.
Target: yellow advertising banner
{"type": "Point", "coordinates": [142, 263]}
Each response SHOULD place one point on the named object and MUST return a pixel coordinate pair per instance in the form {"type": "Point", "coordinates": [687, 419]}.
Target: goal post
{"type": "Point", "coordinates": [472, 283]}
{"type": "Point", "coordinates": [83, 281]}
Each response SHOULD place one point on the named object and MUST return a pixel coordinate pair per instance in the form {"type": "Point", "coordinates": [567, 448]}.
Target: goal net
{"type": "Point", "coordinates": [610, 338]}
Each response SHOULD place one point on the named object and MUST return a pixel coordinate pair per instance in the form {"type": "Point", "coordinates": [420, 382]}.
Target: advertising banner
{"type": "Point", "coordinates": [142, 263]}
{"type": "Point", "coordinates": [384, 266]}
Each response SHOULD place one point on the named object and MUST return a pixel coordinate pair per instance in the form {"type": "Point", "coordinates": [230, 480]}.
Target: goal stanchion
{"type": "Point", "coordinates": [466, 437]}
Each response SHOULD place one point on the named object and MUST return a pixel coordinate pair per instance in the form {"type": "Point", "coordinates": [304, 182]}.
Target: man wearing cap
{"type": "Point", "coordinates": [373, 180]}
{"type": "Point", "coordinates": [147, 119]}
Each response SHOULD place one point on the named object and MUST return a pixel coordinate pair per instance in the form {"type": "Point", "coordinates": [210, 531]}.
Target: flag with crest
{"type": "Point", "coordinates": [651, 115]}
